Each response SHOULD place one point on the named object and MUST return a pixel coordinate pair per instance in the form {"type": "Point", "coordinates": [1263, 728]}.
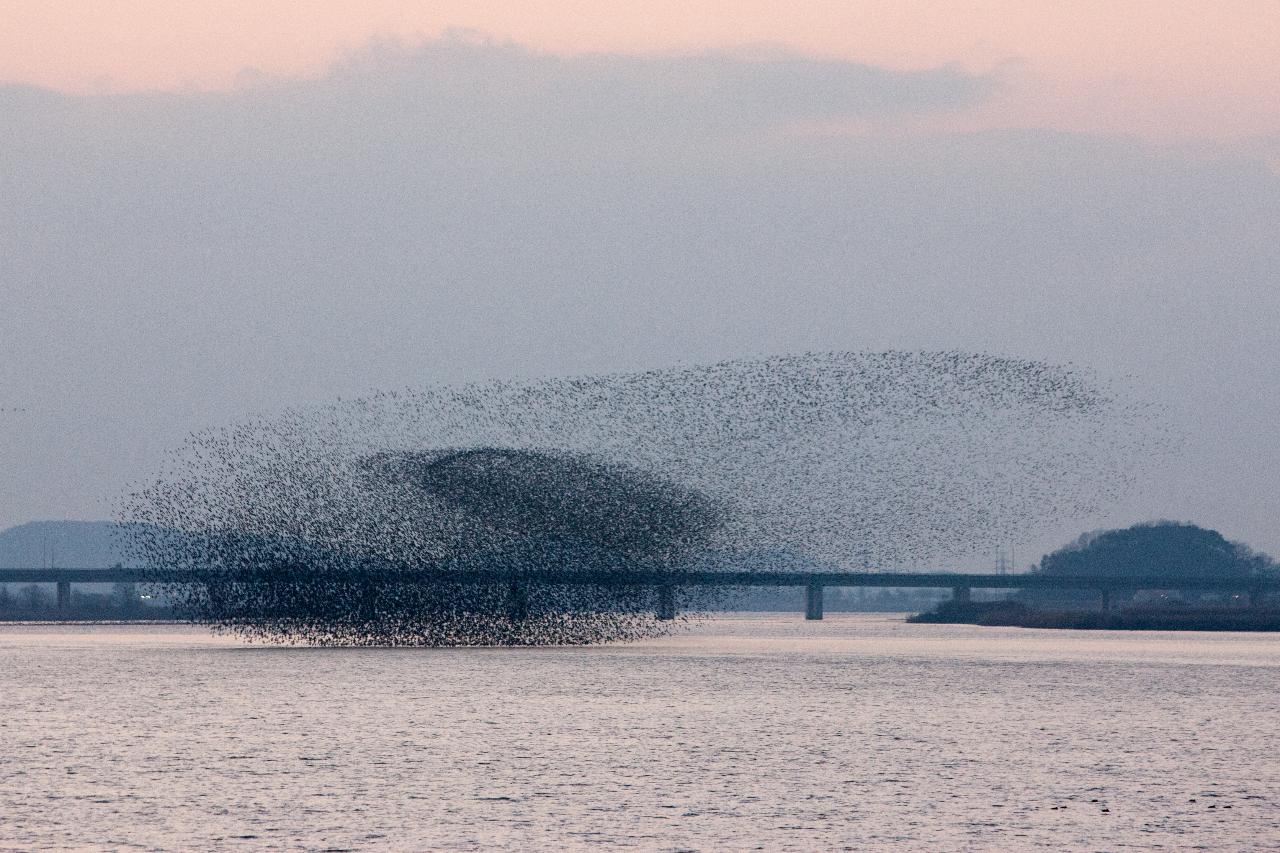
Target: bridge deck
{"type": "Point", "coordinates": [945, 580]}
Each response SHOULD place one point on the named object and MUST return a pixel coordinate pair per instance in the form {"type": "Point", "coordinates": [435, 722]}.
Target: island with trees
{"type": "Point", "coordinates": [1177, 551]}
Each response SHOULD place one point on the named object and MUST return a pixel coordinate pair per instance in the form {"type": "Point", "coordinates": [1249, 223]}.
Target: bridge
{"type": "Point", "coordinates": [668, 582]}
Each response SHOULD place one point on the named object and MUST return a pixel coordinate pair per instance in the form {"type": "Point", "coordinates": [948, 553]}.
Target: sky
{"type": "Point", "coordinates": [1168, 69]}
{"type": "Point", "coordinates": [210, 211]}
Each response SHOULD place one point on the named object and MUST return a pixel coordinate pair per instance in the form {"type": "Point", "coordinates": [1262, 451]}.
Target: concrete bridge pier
{"type": "Point", "coordinates": [64, 595]}
{"type": "Point", "coordinates": [667, 609]}
{"type": "Point", "coordinates": [961, 593]}
{"type": "Point", "coordinates": [813, 601]}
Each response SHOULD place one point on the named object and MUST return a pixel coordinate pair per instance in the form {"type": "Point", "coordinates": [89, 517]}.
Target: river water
{"type": "Point", "coordinates": [753, 732]}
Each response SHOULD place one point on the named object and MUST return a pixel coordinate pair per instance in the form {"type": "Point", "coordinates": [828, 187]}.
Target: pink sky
{"type": "Point", "coordinates": [1166, 69]}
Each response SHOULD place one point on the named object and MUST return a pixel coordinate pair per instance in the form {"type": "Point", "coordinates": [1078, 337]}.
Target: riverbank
{"type": "Point", "coordinates": [1014, 614]}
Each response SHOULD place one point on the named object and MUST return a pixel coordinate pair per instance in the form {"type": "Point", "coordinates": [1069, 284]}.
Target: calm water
{"type": "Point", "coordinates": [744, 733]}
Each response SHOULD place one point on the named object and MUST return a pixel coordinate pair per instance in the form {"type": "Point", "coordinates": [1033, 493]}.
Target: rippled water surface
{"type": "Point", "coordinates": [742, 733]}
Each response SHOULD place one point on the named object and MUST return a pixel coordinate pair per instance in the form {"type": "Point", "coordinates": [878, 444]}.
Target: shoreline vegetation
{"type": "Point", "coordinates": [1015, 614]}
{"type": "Point", "coordinates": [121, 602]}
{"type": "Point", "coordinates": [984, 614]}
{"type": "Point", "coordinates": [1006, 613]}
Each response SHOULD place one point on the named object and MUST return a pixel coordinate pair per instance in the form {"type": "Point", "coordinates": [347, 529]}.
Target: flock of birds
{"type": "Point", "coordinates": [453, 515]}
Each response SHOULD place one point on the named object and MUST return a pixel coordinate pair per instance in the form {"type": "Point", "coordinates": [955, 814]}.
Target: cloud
{"type": "Point", "coordinates": [464, 97]}
{"type": "Point", "coordinates": [696, 93]}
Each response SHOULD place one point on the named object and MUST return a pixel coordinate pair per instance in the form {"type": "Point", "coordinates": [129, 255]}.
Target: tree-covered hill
{"type": "Point", "coordinates": [1158, 548]}
{"type": "Point", "coordinates": [1163, 549]}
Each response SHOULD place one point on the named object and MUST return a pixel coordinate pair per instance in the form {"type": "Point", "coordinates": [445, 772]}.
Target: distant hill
{"type": "Point", "coordinates": [70, 544]}
{"type": "Point", "coordinates": [1161, 548]}
{"type": "Point", "coordinates": [1157, 548]}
